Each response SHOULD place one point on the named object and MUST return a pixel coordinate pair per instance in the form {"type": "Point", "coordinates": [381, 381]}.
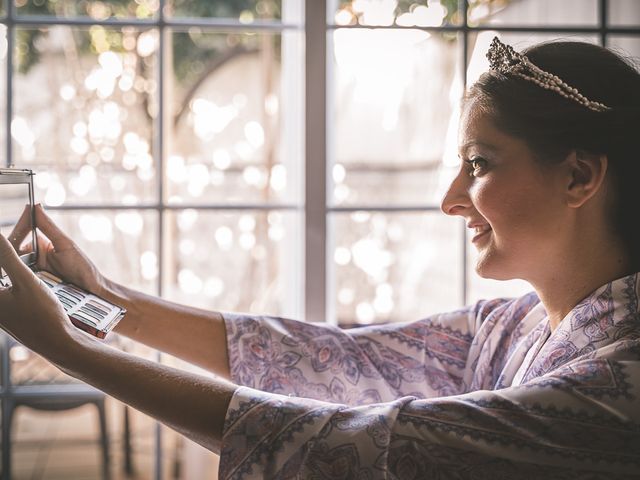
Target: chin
{"type": "Point", "coordinates": [491, 268]}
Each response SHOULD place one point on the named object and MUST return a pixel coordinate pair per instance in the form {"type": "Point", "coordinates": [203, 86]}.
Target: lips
{"type": "Point", "coordinates": [480, 230]}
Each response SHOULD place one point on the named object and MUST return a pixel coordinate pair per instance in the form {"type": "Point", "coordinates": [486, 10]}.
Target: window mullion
{"type": "Point", "coordinates": [159, 140]}
{"type": "Point", "coordinates": [315, 223]}
{"type": "Point", "coordinates": [9, 79]}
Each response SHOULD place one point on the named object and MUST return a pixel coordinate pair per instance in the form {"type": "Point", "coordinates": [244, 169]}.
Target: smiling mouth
{"type": "Point", "coordinates": [480, 232]}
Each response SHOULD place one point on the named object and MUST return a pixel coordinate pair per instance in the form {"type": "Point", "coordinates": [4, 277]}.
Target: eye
{"type": "Point", "coordinates": [477, 165]}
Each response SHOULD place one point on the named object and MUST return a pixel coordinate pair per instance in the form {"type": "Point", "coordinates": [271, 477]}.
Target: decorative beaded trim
{"type": "Point", "coordinates": [506, 60]}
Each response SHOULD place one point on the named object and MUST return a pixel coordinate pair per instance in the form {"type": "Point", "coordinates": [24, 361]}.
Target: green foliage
{"type": "Point", "coordinates": [26, 54]}
{"type": "Point", "coordinates": [453, 16]}
{"type": "Point", "coordinates": [246, 9]}
{"type": "Point", "coordinates": [404, 6]}
{"type": "Point", "coordinates": [27, 40]}
{"type": "Point", "coordinates": [92, 8]}
{"type": "Point", "coordinates": [195, 51]}
{"type": "Point", "coordinates": [450, 5]}
{"type": "Point", "coordinates": [192, 50]}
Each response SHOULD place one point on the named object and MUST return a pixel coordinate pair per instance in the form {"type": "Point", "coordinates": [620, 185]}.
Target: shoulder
{"type": "Point", "coordinates": [503, 309]}
{"type": "Point", "coordinates": [484, 313]}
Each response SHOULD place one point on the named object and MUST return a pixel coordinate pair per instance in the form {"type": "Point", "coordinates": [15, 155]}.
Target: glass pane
{"type": "Point", "coordinates": [123, 244]}
{"type": "Point", "coordinates": [395, 267]}
{"type": "Point", "coordinates": [96, 9]}
{"type": "Point", "coordinates": [421, 13]}
{"type": "Point", "coordinates": [242, 261]}
{"type": "Point", "coordinates": [624, 13]}
{"type": "Point", "coordinates": [395, 94]}
{"type": "Point", "coordinates": [246, 11]}
{"type": "Point", "coordinates": [236, 118]}
{"type": "Point", "coordinates": [484, 289]}
{"type": "Point", "coordinates": [84, 105]}
{"type": "Point", "coordinates": [533, 12]}
{"type": "Point", "coordinates": [626, 45]}
{"type": "Point", "coordinates": [29, 368]}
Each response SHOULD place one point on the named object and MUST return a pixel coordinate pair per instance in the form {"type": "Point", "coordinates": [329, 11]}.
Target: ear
{"type": "Point", "coordinates": [587, 172]}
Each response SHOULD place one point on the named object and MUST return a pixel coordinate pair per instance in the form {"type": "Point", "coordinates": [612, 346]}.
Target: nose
{"type": "Point", "coordinates": [456, 200]}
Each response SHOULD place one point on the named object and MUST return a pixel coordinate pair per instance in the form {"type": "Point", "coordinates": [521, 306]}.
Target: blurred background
{"type": "Point", "coordinates": [263, 156]}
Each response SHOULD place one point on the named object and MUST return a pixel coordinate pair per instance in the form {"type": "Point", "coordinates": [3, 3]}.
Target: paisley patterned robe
{"type": "Point", "coordinates": [484, 392]}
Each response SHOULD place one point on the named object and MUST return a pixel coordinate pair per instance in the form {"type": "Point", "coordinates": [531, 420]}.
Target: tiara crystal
{"type": "Point", "coordinates": [504, 59]}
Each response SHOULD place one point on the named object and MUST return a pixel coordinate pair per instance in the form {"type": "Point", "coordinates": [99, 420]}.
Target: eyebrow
{"type": "Point", "coordinates": [488, 146]}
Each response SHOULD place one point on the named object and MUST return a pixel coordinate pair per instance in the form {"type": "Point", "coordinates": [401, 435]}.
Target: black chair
{"type": "Point", "coordinates": [47, 397]}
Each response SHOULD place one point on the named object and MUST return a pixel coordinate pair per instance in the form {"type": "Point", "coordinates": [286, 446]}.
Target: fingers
{"type": "Point", "coordinates": [17, 271]}
{"type": "Point", "coordinates": [21, 229]}
{"type": "Point", "coordinates": [45, 249]}
{"type": "Point", "coordinates": [44, 244]}
{"type": "Point", "coordinates": [49, 228]}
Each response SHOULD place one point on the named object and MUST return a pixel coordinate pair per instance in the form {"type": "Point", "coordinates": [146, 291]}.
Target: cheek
{"type": "Point", "coordinates": [508, 204]}
{"type": "Point", "coordinates": [491, 199]}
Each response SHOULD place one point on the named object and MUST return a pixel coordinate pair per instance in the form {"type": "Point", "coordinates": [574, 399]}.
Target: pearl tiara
{"type": "Point", "coordinates": [504, 59]}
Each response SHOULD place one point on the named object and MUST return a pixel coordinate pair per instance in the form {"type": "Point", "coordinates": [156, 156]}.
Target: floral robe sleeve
{"type": "Point", "coordinates": [484, 392]}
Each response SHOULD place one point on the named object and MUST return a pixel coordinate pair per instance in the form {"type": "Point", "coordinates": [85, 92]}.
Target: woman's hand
{"type": "Point", "coordinates": [29, 310]}
{"type": "Point", "coordinates": [57, 253]}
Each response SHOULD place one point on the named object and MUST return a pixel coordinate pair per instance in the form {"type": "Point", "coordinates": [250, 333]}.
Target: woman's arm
{"type": "Point", "coordinates": [427, 358]}
{"type": "Point", "coordinates": [568, 425]}
{"type": "Point", "coordinates": [194, 335]}
{"type": "Point", "coordinates": [191, 404]}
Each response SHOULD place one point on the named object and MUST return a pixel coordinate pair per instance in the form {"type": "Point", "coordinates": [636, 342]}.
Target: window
{"type": "Point", "coordinates": [396, 71]}
{"type": "Point", "coordinates": [167, 140]}
{"type": "Point", "coordinates": [274, 156]}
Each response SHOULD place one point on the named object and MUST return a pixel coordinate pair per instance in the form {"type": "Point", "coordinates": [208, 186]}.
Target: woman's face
{"type": "Point", "coordinates": [513, 205]}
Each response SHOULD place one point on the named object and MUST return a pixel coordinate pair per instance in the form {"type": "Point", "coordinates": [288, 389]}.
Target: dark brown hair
{"type": "Point", "coordinates": [553, 125]}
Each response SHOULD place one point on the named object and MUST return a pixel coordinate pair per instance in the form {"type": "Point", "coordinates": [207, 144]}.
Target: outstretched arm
{"type": "Point", "coordinates": [561, 425]}
{"type": "Point", "coordinates": [191, 404]}
{"type": "Point", "coordinates": [194, 335]}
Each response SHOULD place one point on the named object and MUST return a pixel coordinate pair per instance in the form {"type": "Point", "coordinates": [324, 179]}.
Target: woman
{"type": "Point", "coordinates": [544, 385]}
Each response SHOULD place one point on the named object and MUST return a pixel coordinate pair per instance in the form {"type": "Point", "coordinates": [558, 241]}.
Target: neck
{"type": "Point", "coordinates": [577, 277]}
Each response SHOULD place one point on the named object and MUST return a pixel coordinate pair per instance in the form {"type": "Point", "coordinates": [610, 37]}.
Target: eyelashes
{"type": "Point", "coordinates": [476, 166]}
